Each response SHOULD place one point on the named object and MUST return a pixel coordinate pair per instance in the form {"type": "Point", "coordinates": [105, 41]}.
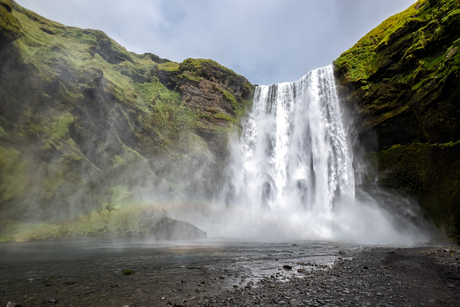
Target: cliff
{"type": "Point", "coordinates": [86, 126]}
{"type": "Point", "coordinates": [403, 81]}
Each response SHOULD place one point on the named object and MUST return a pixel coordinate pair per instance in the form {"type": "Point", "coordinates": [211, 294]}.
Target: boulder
{"type": "Point", "coordinates": [170, 230]}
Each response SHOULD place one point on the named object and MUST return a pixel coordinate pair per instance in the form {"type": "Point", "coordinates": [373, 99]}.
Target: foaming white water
{"type": "Point", "coordinates": [291, 174]}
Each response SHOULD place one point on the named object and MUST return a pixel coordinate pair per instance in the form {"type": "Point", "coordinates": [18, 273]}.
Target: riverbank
{"type": "Point", "coordinates": [377, 277]}
{"type": "Point", "coordinates": [288, 274]}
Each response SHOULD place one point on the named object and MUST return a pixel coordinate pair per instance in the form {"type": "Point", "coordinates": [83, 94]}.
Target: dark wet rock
{"type": "Point", "coordinates": [405, 90]}
{"type": "Point", "coordinates": [170, 229]}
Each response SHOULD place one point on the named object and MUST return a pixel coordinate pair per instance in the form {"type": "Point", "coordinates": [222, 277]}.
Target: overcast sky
{"type": "Point", "coordinates": [267, 41]}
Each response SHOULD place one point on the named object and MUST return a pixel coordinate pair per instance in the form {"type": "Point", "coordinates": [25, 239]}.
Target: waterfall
{"type": "Point", "coordinates": [291, 174]}
{"type": "Point", "coordinates": [294, 153]}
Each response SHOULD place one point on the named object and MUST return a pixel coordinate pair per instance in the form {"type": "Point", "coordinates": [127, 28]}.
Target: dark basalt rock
{"type": "Point", "coordinates": [171, 230]}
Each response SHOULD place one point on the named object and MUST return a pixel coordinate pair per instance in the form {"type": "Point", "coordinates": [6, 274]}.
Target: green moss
{"type": "Point", "coordinates": [205, 68]}
{"type": "Point", "coordinates": [9, 26]}
{"type": "Point", "coordinates": [403, 78]}
{"type": "Point", "coordinates": [120, 194]}
{"type": "Point", "coordinates": [3, 134]}
{"type": "Point", "coordinates": [189, 77]}
{"type": "Point", "coordinates": [430, 172]}
{"type": "Point", "coordinates": [169, 66]}
{"type": "Point", "coordinates": [118, 161]}
{"type": "Point", "coordinates": [58, 130]}
{"type": "Point", "coordinates": [73, 80]}
{"type": "Point", "coordinates": [14, 179]}
{"type": "Point", "coordinates": [53, 180]}
{"type": "Point", "coordinates": [229, 98]}
{"type": "Point", "coordinates": [362, 60]}
{"type": "Point", "coordinates": [7, 5]}
{"type": "Point", "coordinates": [128, 272]}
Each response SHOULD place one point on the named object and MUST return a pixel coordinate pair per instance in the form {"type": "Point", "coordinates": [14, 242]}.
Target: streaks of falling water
{"type": "Point", "coordinates": [291, 175]}
{"type": "Point", "coordinates": [294, 151]}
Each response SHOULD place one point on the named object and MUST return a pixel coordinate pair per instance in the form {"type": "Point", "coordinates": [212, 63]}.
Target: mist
{"type": "Point", "coordinates": [297, 172]}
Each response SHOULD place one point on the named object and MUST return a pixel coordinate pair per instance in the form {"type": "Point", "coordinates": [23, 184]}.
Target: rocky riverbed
{"type": "Point", "coordinates": [376, 277]}
{"type": "Point", "coordinates": [249, 274]}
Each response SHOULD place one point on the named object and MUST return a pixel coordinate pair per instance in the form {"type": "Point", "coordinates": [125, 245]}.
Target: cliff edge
{"type": "Point", "coordinates": [87, 126]}
{"type": "Point", "coordinates": [403, 81]}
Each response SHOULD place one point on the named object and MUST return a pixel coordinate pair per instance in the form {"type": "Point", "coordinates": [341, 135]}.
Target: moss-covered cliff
{"type": "Point", "coordinates": [85, 124]}
{"type": "Point", "coordinates": [403, 80]}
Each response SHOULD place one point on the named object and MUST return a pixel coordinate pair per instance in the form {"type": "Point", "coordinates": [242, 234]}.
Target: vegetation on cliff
{"type": "Point", "coordinates": [403, 79]}
{"type": "Point", "coordinates": [85, 124]}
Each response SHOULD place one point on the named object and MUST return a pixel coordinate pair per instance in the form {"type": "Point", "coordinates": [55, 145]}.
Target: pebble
{"type": "Point", "coordinates": [52, 300]}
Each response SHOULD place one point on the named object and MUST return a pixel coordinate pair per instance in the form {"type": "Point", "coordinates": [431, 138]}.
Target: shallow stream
{"type": "Point", "coordinates": [92, 270]}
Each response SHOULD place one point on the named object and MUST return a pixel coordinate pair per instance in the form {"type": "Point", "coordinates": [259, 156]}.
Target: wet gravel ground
{"type": "Point", "coordinates": [376, 277]}
{"type": "Point", "coordinates": [235, 274]}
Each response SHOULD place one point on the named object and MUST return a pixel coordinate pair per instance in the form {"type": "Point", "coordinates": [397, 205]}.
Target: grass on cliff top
{"type": "Point", "coordinates": [71, 56]}
{"type": "Point", "coordinates": [53, 48]}
{"type": "Point", "coordinates": [201, 65]}
{"type": "Point", "coordinates": [360, 60]}
{"type": "Point", "coordinates": [424, 30]}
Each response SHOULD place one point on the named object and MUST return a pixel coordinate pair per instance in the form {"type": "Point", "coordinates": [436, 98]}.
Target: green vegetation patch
{"type": "Point", "coordinates": [136, 219]}
{"type": "Point", "coordinates": [431, 172]}
{"type": "Point", "coordinates": [14, 179]}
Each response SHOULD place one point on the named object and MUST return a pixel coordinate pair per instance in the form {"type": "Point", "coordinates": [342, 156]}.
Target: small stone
{"type": "Point", "coordinates": [287, 267]}
{"type": "Point", "coordinates": [52, 300]}
{"type": "Point", "coordinates": [451, 286]}
{"type": "Point", "coordinates": [321, 302]}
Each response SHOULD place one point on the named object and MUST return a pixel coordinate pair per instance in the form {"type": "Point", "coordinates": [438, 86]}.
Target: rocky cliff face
{"type": "Point", "coordinates": [86, 125]}
{"type": "Point", "coordinates": [403, 80]}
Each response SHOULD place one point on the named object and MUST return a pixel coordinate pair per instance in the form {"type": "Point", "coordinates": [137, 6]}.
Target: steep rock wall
{"type": "Point", "coordinates": [403, 81]}
{"type": "Point", "coordinates": [86, 125]}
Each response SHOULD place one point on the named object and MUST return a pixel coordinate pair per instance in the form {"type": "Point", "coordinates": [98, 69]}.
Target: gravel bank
{"type": "Point", "coordinates": [423, 276]}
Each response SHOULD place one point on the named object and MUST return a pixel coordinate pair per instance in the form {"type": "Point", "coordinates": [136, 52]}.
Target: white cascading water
{"type": "Point", "coordinates": [291, 174]}
{"type": "Point", "coordinates": [294, 150]}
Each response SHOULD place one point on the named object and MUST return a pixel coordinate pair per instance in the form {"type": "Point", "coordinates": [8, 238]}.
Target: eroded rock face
{"type": "Point", "coordinates": [403, 81]}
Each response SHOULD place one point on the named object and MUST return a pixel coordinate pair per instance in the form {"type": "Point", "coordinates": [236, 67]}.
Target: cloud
{"type": "Point", "coordinates": [267, 41]}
